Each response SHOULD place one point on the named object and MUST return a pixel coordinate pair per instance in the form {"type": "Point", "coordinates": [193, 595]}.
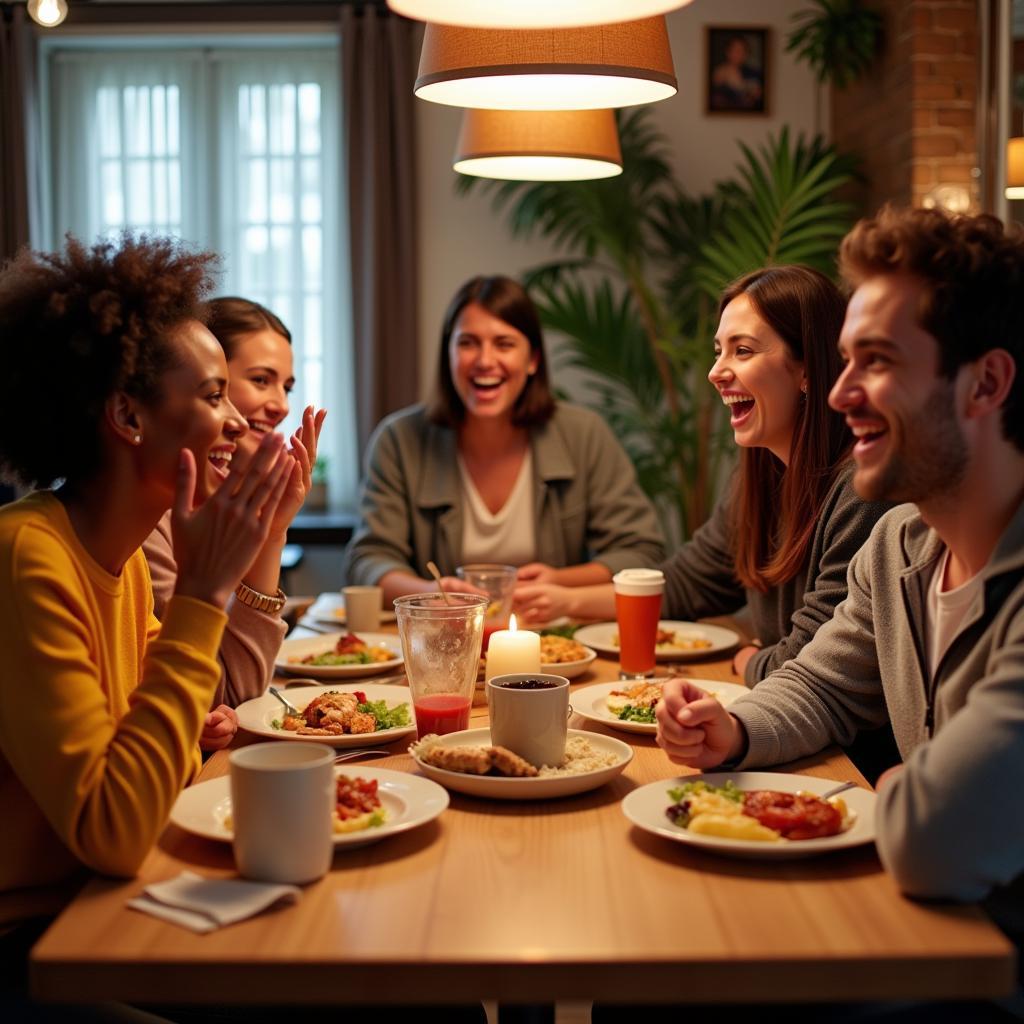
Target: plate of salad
{"type": "Point", "coordinates": [354, 715]}
{"type": "Point", "coordinates": [340, 655]}
{"type": "Point", "coordinates": [629, 706]}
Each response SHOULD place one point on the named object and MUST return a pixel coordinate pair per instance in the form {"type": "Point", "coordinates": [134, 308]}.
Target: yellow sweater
{"type": "Point", "coordinates": [101, 708]}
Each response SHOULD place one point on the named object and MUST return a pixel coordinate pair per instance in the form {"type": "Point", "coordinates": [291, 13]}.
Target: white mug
{"type": "Point", "coordinates": [362, 608]}
{"type": "Point", "coordinates": [282, 807]}
{"type": "Point", "coordinates": [531, 722]}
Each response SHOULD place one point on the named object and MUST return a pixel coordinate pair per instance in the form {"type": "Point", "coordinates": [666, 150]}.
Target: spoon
{"type": "Point", "coordinates": [836, 790]}
{"type": "Point", "coordinates": [289, 706]}
{"type": "Point", "coordinates": [436, 573]}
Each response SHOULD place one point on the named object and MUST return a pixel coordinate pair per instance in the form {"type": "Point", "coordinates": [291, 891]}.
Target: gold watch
{"type": "Point", "coordinates": [261, 602]}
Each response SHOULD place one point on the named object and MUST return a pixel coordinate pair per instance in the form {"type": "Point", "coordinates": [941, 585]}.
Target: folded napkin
{"type": "Point", "coordinates": [205, 904]}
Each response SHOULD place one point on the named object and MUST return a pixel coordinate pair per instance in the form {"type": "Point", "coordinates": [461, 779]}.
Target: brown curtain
{"type": "Point", "coordinates": [377, 74]}
{"type": "Point", "coordinates": [18, 154]}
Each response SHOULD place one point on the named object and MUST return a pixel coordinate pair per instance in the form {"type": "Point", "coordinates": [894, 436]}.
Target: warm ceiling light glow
{"type": "Point", "coordinates": [1015, 168]}
{"type": "Point", "coordinates": [539, 145]}
{"type": "Point", "coordinates": [47, 13]}
{"type": "Point", "coordinates": [604, 66]}
{"type": "Point", "coordinates": [531, 13]}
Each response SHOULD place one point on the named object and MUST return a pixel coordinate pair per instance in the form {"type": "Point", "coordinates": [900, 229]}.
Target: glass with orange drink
{"type": "Point", "coordinates": [637, 609]}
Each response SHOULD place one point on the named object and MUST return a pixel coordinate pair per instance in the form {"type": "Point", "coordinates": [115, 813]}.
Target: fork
{"type": "Point", "coordinates": [289, 706]}
{"type": "Point", "coordinates": [353, 755]}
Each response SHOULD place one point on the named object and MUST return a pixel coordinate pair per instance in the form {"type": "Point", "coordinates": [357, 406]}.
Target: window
{"type": "Point", "coordinates": [231, 149]}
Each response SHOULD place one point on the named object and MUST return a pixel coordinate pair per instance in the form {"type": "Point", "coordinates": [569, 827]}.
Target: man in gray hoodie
{"type": "Point", "coordinates": [931, 634]}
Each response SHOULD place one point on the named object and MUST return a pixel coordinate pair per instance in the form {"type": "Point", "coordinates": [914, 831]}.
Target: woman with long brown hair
{"type": "Point", "coordinates": [782, 535]}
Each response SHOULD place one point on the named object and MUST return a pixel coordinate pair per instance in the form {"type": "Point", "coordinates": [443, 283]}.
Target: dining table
{"type": "Point", "coordinates": [537, 901]}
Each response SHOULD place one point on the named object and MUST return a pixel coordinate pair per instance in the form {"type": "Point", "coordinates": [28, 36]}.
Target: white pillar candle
{"type": "Point", "coordinates": [512, 651]}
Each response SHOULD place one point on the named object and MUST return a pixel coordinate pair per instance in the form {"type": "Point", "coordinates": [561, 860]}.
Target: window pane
{"type": "Point", "coordinates": [309, 118]}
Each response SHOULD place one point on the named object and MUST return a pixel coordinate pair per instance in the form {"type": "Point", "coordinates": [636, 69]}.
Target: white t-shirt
{"type": "Point", "coordinates": [945, 611]}
{"type": "Point", "coordinates": [508, 535]}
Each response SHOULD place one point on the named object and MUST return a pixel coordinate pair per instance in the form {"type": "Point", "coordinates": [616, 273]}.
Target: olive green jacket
{"type": "Point", "coordinates": [588, 504]}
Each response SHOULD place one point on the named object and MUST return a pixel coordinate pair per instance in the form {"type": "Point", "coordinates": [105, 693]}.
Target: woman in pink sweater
{"type": "Point", "coordinates": [260, 377]}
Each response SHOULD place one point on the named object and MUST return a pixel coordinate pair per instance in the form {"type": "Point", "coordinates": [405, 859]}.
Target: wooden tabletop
{"type": "Point", "coordinates": [539, 901]}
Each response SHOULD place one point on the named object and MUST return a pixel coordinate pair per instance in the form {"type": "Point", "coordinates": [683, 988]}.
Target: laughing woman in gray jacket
{"type": "Point", "coordinates": [494, 470]}
{"type": "Point", "coordinates": [782, 537]}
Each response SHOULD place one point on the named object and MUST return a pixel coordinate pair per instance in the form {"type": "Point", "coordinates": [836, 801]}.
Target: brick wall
{"type": "Point", "coordinates": [911, 120]}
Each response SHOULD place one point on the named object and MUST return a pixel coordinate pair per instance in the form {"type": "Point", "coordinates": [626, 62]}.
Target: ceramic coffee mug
{"type": "Point", "coordinates": [530, 715]}
{"type": "Point", "coordinates": [362, 608]}
{"type": "Point", "coordinates": [282, 807]}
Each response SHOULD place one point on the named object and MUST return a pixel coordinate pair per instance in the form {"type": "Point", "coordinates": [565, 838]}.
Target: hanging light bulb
{"type": "Point", "coordinates": [539, 145]}
{"type": "Point", "coordinates": [531, 13]}
{"type": "Point", "coordinates": [1015, 168]}
{"type": "Point", "coordinates": [589, 68]}
{"type": "Point", "coordinates": [48, 13]}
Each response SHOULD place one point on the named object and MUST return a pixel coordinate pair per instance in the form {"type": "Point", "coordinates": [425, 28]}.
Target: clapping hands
{"type": "Point", "coordinates": [215, 544]}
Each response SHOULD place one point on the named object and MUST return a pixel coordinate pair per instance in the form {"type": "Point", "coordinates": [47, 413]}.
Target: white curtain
{"type": "Point", "coordinates": [235, 150]}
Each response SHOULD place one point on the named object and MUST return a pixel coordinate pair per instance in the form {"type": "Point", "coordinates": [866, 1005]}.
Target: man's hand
{"type": "Point", "coordinates": [219, 728]}
{"type": "Point", "coordinates": [694, 729]}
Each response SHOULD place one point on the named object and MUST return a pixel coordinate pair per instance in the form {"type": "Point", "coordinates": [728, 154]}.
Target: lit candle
{"type": "Point", "coordinates": [513, 650]}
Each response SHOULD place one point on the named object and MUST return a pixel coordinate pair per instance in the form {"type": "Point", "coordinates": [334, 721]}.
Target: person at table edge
{"type": "Point", "coordinates": [493, 469]}
{"type": "Point", "coordinates": [101, 706]}
{"type": "Point", "coordinates": [931, 634]}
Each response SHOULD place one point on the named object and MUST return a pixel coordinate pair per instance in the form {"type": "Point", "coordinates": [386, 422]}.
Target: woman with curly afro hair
{"type": "Point", "coordinates": [115, 407]}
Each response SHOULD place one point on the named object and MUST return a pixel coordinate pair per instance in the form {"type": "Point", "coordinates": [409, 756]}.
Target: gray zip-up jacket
{"type": "Point", "coordinates": [588, 504]}
{"type": "Point", "coordinates": [950, 824]}
{"type": "Point", "coordinates": [700, 578]}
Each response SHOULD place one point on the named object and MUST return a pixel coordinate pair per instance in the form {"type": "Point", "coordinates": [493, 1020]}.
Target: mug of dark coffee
{"type": "Point", "coordinates": [529, 715]}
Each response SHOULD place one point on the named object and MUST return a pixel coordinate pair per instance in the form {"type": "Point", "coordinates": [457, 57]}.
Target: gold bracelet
{"type": "Point", "coordinates": [261, 602]}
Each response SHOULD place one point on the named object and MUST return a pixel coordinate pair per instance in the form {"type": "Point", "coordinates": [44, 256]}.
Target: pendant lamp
{"type": "Point", "coordinates": [539, 145]}
{"type": "Point", "coordinates": [531, 13]}
{"type": "Point", "coordinates": [588, 68]}
{"type": "Point", "coordinates": [1015, 168]}
{"type": "Point", "coordinates": [48, 13]}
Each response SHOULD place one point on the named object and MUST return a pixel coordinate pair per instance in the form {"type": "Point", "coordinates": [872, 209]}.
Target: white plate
{"type": "Point", "coordinates": [329, 609]}
{"type": "Point", "coordinates": [300, 648]}
{"type": "Point", "coordinates": [547, 788]}
{"type": "Point", "coordinates": [408, 800]}
{"type": "Point", "coordinates": [570, 669]}
{"type": "Point", "coordinates": [645, 807]}
{"type": "Point", "coordinates": [590, 702]}
{"type": "Point", "coordinates": [600, 636]}
{"type": "Point", "coordinates": [256, 715]}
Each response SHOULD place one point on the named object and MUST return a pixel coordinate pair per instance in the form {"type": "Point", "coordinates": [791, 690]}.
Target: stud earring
{"type": "Point", "coordinates": [137, 438]}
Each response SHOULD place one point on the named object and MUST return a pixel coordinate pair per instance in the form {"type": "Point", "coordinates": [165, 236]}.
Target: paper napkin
{"type": "Point", "coordinates": [205, 904]}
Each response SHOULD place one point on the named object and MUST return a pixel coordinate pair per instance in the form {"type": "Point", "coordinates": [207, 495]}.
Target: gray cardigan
{"type": "Point", "coordinates": [588, 504]}
{"type": "Point", "coordinates": [700, 579]}
{"type": "Point", "coordinates": [949, 825]}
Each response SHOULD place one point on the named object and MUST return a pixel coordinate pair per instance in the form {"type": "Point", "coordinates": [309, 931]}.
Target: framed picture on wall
{"type": "Point", "coordinates": [736, 75]}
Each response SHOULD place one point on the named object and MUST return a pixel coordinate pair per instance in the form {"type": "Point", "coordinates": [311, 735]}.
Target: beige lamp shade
{"type": "Point", "coordinates": [531, 13]}
{"type": "Point", "coordinates": [1015, 168]}
{"type": "Point", "coordinates": [539, 145]}
{"type": "Point", "coordinates": [547, 69]}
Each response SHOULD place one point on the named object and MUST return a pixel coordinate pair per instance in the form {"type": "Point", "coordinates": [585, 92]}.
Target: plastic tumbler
{"type": "Point", "coordinates": [441, 646]}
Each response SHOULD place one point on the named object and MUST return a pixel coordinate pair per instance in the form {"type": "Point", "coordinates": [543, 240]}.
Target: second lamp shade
{"type": "Point", "coordinates": [547, 69]}
{"type": "Point", "coordinates": [539, 145]}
